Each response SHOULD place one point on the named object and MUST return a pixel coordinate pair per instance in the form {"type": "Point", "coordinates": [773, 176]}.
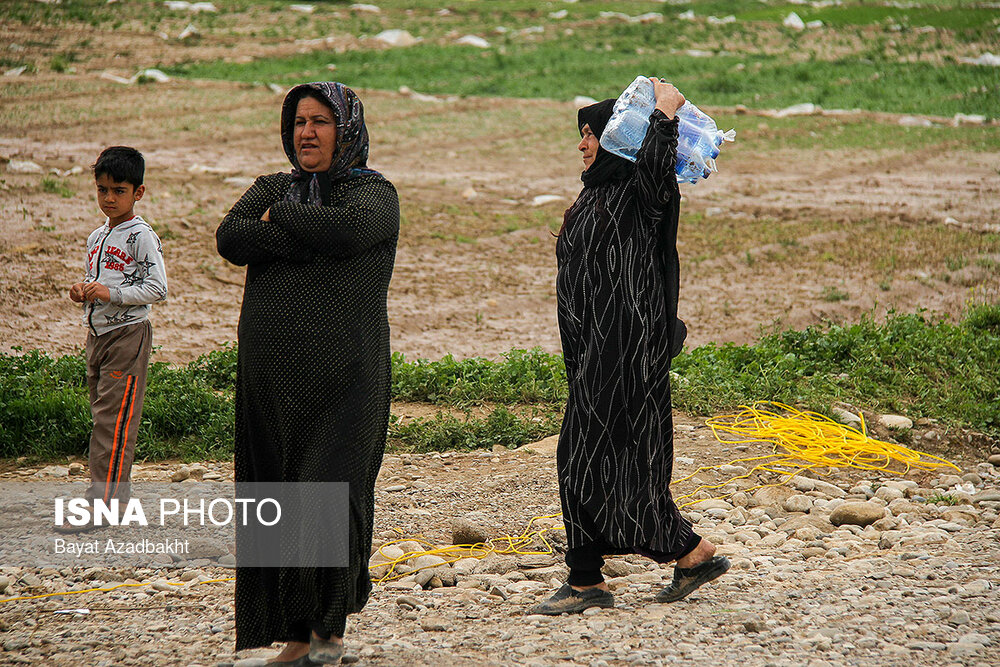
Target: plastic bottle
{"type": "Point", "coordinates": [699, 139]}
{"type": "Point", "coordinates": [625, 131]}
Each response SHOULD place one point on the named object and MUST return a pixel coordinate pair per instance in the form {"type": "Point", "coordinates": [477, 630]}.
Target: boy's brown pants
{"type": "Point", "coordinates": [116, 377]}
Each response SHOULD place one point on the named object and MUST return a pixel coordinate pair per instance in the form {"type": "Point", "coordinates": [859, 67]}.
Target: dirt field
{"type": "Point", "coordinates": [789, 237]}
{"type": "Point", "coordinates": [786, 235]}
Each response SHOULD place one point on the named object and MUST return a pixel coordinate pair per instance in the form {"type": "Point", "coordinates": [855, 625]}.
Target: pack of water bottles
{"type": "Point", "coordinates": [699, 139]}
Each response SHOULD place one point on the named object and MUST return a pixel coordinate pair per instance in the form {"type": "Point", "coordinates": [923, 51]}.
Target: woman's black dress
{"type": "Point", "coordinates": [617, 291]}
{"type": "Point", "coordinates": [313, 383]}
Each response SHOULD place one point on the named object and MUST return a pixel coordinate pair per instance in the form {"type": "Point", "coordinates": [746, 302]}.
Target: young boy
{"type": "Point", "coordinates": [125, 275]}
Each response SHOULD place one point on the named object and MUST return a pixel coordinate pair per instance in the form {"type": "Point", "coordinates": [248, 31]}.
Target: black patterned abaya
{"type": "Point", "coordinates": [617, 291]}
{"type": "Point", "coordinates": [312, 388]}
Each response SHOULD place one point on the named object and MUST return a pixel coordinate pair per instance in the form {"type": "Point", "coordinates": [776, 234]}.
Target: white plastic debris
{"type": "Point", "coordinates": [205, 169]}
{"type": "Point", "coordinates": [193, 7]}
{"type": "Point", "coordinates": [794, 22]}
{"type": "Point", "coordinates": [240, 181]}
{"type": "Point", "coordinates": [987, 59]}
{"type": "Point", "coordinates": [159, 76]}
{"type": "Point", "coordinates": [915, 121]}
{"type": "Point", "coordinates": [581, 101]}
{"type": "Point", "coordinates": [561, 14]}
{"type": "Point", "coordinates": [23, 167]}
{"type": "Point", "coordinates": [473, 40]}
{"type": "Point", "coordinates": [397, 37]}
{"type": "Point", "coordinates": [361, 7]}
{"type": "Point", "coordinates": [16, 71]}
{"type": "Point", "coordinates": [304, 9]}
{"type": "Point", "coordinates": [541, 200]}
{"type": "Point", "coordinates": [189, 32]}
{"type": "Point", "coordinates": [698, 53]}
{"type": "Point", "coordinates": [108, 76]}
{"type": "Point", "coordinates": [686, 16]}
{"type": "Point", "coordinates": [650, 17]}
{"type": "Point", "coordinates": [714, 20]}
{"type": "Point", "coordinates": [81, 612]}
{"type": "Point", "coordinates": [804, 109]}
{"type": "Point", "coordinates": [812, 25]}
{"type": "Point", "coordinates": [968, 119]}
{"type": "Point", "coordinates": [418, 97]}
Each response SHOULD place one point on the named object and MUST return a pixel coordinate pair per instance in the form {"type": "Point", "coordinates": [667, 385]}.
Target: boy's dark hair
{"type": "Point", "coordinates": [122, 163]}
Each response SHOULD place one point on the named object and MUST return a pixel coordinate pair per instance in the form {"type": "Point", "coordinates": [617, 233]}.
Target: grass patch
{"type": "Point", "coordinates": [909, 364]}
{"type": "Point", "coordinates": [944, 499]}
{"type": "Point", "coordinates": [55, 186]}
{"type": "Point", "coordinates": [446, 432]}
{"type": "Point", "coordinates": [560, 70]}
{"type": "Point", "coordinates": [833, 295]}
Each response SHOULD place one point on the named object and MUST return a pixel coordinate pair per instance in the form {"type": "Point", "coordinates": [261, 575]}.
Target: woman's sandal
{"type": "Point", "coordinates": [686, 580]}
{"type": "Point", "coordinates": [304, 661]}
{"type": "Point", "coordinates": [324, 651]}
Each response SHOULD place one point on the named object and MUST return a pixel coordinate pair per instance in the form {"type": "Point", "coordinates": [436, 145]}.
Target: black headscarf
{"type": "Point", "coordinates": [350, 158]}
{"type": "Point", "coordinates": [606, 166]}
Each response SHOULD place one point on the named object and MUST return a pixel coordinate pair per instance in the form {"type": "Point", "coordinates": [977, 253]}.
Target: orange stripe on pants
{"type": "Point", "coordinates": [115, 443]}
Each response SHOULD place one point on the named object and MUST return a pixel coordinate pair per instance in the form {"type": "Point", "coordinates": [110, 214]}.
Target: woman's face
{"type": "Point", "coordinates": [588, 146]}
{"type": "Point", "coordinates": [315, 135]}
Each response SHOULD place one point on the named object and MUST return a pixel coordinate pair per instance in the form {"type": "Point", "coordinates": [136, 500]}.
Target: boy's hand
{"type": "Point", "coordinates": [76, 292]}
{"type": "Point", "coordinates": [94, 291]}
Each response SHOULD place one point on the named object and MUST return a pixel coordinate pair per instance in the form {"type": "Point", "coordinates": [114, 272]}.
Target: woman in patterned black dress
{"type": "Point", "coordinates": [617, 289]}
{"type": "Point", "coordinates": [313, 380]}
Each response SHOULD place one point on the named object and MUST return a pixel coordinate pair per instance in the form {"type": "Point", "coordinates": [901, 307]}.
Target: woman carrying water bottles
{"type": "Point", "coordinates": [617, 289]}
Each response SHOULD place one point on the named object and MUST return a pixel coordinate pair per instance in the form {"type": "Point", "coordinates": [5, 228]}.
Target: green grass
{"type": "Point", "coordinates": [55, 186]}
{"type": "Point", "coordinates": [553, 69]}
{"type": "Point", "coordinates": [911, 364]}
{"type": "Point", "coordinates": [446, 432]}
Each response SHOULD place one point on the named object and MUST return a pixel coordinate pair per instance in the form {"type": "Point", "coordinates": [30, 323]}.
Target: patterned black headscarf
{"type": "Point", "coordinates": [350, 158]}
{"type": "Point", "coordinates": [606, 166]}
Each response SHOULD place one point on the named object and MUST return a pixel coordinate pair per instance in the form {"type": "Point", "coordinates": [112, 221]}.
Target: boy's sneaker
{"type": "Point", "coordinates": [686, 580]}
{"type": "Point", "coordinates": [568, 600]}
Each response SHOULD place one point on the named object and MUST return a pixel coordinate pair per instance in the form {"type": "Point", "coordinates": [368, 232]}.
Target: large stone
{"type": "Point", "coordinates": [771, 495]}
{"type": "Point", "coordinates": [201, 547]}
{"type": "Point", "coordinates": [426, 561]}
{"type": "Point", "coordinates": [857, 514]}
{"type": "Point", "coordinates": [994, 459]}
{"type": "Point", "coordinates": [797, 503]}
{"type": "Point", "coordinates": [712, 504]}
{"type": "Point", "coordinates": [495, 564]}
{"type": "Point", "coordinates": [617, 567]}
{"type": "Point", "coordinates": [888, 494]}
{"type": "Point", "coordinates": [468, 531]}
{"type": "Point", "coordinates": [896, 422]}
{"type": "Point", "coordinates": [829, 489]}
{"type": "Point", "coordinates": [546, 446]}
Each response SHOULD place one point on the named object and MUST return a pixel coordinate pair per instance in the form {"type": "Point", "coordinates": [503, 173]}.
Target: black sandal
{"type": "Point", "coordinates": [686, 580]}
{"type": "Point", "coordinates": [568, 600]}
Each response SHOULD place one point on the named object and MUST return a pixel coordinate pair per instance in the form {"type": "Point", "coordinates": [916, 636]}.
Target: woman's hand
{"type": "Point", "coordinates": [668, 98]}
{"type": "Point", "coordinates": [267, 215]}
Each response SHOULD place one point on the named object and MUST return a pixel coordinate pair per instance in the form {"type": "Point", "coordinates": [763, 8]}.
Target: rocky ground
{"type": "Point", "coordinates": [835, 567]}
